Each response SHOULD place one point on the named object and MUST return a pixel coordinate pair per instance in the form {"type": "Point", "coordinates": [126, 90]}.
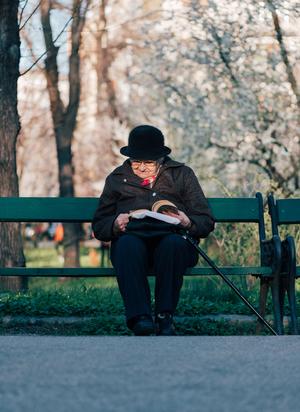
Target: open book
{"type": "Point", "coordinates": [156, 212]}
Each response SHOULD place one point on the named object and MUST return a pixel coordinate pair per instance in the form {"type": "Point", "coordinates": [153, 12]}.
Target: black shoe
{"type": "Point", "coordinates": [164, 324]}
{"type": "Point", "coordinates": [143, 326]}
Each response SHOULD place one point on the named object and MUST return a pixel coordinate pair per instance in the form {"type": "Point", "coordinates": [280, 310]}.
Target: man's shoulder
{"type": "Point", "coordinates": [119, 170]}
{"type": "Point", "coordinates": [173, 164]}
{"type": "Point", "coordinates": [180, 166]}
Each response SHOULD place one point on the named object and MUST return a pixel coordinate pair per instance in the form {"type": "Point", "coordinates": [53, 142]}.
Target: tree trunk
{"type": "Point", "coordinates": [11, 248]}
{"type": "Point", "coordinates": [64, 118]}
{"type": "Point", "coordinates": [72, 231]}
{"type": "Point", "coordinates": [104, 61]}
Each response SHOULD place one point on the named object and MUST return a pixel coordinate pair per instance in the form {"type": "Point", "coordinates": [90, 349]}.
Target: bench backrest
{"type": "Point", "coordinates": [283, 212]}
{"type": "Point", "coordinates": [83, 209]}
{"type": "Point", "coordinates": [288, 211]}
{"type": "Point", "coordinates": [51, 209]}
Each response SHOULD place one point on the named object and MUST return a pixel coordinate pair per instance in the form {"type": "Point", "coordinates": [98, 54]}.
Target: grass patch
{"type": "Point", "coordinates": [109, 326]}
{"type": "Point", "coordinates": [50, 257]}
{"type": "Point", "coordinates": [101, 299]}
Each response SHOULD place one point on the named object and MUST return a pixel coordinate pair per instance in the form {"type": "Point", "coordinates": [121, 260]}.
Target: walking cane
{"type": "Point", "coordinates": [224, 277]}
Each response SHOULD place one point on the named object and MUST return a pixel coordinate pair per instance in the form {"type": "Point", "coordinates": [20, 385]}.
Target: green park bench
{"type": "Point", "coordinates": [248, 210]}
{"type": "Point", "coordinates": [286, 212]}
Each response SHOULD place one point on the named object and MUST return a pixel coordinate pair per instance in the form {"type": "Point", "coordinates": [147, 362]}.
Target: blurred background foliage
{"type": "Point", "coordinates": [221, 79]}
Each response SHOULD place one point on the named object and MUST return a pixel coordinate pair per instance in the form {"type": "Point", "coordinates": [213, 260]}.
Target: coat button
{"type": "Point", "coordinates": [154, 194]}
{"type": "Point", "coordinates": [125, 180]}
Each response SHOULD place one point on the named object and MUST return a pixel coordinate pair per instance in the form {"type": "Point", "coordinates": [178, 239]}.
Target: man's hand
{"type": "Point", "coordinates": [184, 220]}
{"type": "Point", "coordinates": [121, 222]}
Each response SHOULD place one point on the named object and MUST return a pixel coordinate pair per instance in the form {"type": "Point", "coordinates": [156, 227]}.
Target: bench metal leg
{"type": "Point", "coordinates": [292, 301]}
{"type": "Point", "coordinates": [277, 312]}
{"type": "Point", "coordinates": [272, 256]}
{"type": "Point", "coordinates": [282, 292]}
{"type": "Point", "coordinates": [263, 295]}
{"type": "Point", "coordinates": [275, 287]}
{"type": "Point", "coordinates": [290, 253]}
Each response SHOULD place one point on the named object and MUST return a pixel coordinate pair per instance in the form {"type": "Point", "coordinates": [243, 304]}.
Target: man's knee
{"type": "Point", "coordinates": [177, 249]}
{"type": "Point", "coordinates": [172, 241]}
{"type": "Point", "coordinates": [129, 244]}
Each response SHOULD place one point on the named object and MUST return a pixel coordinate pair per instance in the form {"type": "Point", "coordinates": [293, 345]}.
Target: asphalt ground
{"type": "Point", "coordinates": [157, 374]}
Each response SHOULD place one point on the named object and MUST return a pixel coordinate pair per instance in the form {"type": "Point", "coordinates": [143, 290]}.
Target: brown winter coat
{"type": "Point", "coordinates": [175, 182]}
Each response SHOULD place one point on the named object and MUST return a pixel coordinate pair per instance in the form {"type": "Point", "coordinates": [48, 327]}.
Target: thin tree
{"type": "Point", "coordinates": [65, 116]}
{"type": "Point", "coordinates": [11, 250]}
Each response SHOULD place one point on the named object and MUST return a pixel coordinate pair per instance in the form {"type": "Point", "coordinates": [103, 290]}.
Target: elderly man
{"type": "Point", "coordinates": [147, 176]}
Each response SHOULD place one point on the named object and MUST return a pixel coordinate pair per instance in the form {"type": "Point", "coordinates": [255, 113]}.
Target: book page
{"type": "Point", "coordinates": [141, 214]}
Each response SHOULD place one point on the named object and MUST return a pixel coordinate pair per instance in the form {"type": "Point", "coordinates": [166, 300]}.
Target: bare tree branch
{"type": "Point", "coordinates": [31, 14]}
{"type": "Point", "coordinates": [46, 51]}
{"type": "Point", "coordinates": [78, 21]}
{"type": "Point", "coordinates": [22, 11]}
{"type": "Point", "coordinates": [224, 57]}
{"type": "Point", "coordinates": [57, 106]}
{"type": "Point", "coordinates": [283, 51]}
{"type": "Point", "coordinates": [29, 43]}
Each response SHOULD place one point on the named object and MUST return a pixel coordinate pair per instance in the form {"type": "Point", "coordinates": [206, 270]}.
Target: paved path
{"type": "Point", "coordinates": [157, 374]}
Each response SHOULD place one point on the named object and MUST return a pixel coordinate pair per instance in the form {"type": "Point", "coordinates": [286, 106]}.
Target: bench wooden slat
{"type": "Point", "coordinates": [47, 209]}
{"type": "Point", "coordinates": [82, 209]}
{"type": "Point", "coordinates": [288, 211]}
{"type": "Point", "coordinates": [90, 272]}
{"type": "Point", "coordinates": [235, 209]}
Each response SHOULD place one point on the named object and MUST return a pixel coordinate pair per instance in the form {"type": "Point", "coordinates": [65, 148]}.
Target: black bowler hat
{"type": "Point", "coordinates": [145, 143]}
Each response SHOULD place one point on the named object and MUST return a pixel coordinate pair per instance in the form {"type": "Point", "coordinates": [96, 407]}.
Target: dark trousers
{"type": "Point", "coordinates": [133, 258]}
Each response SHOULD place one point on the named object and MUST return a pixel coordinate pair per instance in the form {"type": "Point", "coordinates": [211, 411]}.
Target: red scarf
{"type": "Point", "coordinates": [148, 181]}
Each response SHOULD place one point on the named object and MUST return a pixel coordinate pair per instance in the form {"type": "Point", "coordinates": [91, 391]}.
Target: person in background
{"type": "Point", "coordinates": [149, 175]}
{"type": "Point", "coordinates": [58, 240]}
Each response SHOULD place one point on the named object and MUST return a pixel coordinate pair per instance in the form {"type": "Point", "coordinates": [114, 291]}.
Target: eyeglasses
{"type": "Point", "coordinates": [147, 163]}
